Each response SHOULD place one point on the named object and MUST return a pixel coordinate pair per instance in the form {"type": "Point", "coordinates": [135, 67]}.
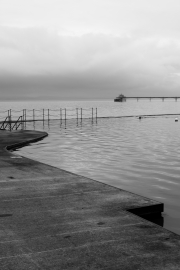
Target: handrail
{"type": "Point", "coordinates": [4, 123]}
{"type": "Point", "coordinates": [20, 123]}
{"type": "Point", "coordinates": [8, 121]}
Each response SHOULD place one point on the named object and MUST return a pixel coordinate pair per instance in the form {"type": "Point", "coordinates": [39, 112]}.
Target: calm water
{"type": "Point", "coordinates": [105, 108]}
{"type": "Point", "coordinates": [141, 156]}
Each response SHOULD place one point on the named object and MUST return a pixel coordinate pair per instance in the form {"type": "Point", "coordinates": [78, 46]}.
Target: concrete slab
{"type": "Point", "coordinates": [54, 219]}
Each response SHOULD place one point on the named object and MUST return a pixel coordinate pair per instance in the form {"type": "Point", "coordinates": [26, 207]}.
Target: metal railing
{"type": "Point", "coordinates": [33, 115]}
{"type": "Point", "coordinates": [51, 114]}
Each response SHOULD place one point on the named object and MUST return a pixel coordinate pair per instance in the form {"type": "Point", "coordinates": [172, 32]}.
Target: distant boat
{"type": "Point", "coordinates": [120, 98]}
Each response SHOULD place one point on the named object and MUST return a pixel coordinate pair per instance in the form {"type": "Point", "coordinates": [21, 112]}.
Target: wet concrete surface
{"type": "Point", "coordinates": [54, 219]}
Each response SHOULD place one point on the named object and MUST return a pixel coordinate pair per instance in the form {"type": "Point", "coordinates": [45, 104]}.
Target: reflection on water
{"type": "Point", "coordinates": [141, 156]}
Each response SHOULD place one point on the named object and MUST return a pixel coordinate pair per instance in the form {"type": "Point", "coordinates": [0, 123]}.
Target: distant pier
{"type": "Point", "coordinates": [163, 98]}
{"type": "Point", "coordinates": [124, 98]}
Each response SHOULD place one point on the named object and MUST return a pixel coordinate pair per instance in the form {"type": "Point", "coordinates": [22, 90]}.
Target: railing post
{"type": "Point", "coordinates": [10, 118]}
{"type": "Point", "coordinates": [25, 117]}
{"type": "Point", "coordinates": [81, 114]}
{"type": "Point", "coordinates": [77, 113]}
{"type": "Point", "coordinates": [96, 114]}
{"type": "Point", "coordinates": [43, 116]}
{"type": "Point", "coordinates": [48, 115]}
{"type": "Point", "coordinates": [65, 114]}
{"type": "Point", "coordinates": [92, 114]}
{"type": "Point", "coordinates": [21, 123]}
{"type": "Point", "coordinates": [61, 115]}
{"type": "Point", "coordinates": [33, 115]}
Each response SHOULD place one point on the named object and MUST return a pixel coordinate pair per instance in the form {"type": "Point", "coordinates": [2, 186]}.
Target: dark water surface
{"type": "Point", "coordinates": [141, 156]}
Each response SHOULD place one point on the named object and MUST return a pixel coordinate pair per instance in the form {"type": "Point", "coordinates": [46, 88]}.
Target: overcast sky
{"type": "Point", "coordinates": [81, 49]}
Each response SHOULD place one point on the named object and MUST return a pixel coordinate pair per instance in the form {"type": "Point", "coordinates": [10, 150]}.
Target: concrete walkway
{"type": "Point", "coordinates": [53, 219]}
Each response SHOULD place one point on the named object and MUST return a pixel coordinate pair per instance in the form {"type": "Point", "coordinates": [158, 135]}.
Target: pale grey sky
{"type": "Point", "coordinates": [73, 49]}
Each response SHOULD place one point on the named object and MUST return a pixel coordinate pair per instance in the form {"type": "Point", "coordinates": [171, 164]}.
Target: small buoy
{"type": "Point", "coordinates": [139, 117]}
{"type": "Point", "coordinates": [176, 119]}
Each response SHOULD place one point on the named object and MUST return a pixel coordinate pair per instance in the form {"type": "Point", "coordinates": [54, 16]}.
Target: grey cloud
{"type": "Point", "coordinates": [45, 64]}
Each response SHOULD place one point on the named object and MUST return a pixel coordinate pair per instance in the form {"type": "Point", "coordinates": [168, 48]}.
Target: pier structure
{"type": "Point", "coordinates": [54, 219]}
{"type": "Point", "coordinates": [150, 98]}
